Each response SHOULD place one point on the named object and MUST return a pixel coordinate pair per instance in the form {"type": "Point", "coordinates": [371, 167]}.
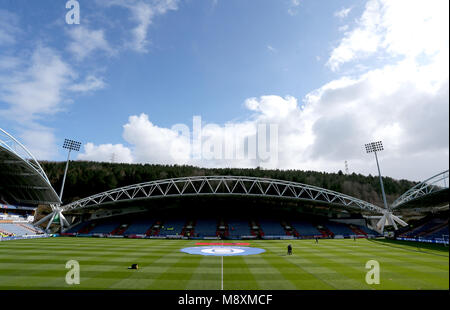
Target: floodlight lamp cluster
{"type": "Point", "coordinates": [374, 147]}
{"type": "Point", "coordinates": [71, 145]}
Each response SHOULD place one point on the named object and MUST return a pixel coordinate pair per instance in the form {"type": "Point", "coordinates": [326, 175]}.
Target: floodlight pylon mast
{"type": "Point", "coordinates": [381, 182]}
{"type": "Point", "coordinates": [388, 217]}
{"type": "Point", "coordinates": [65, 174]}
{"type": "Point", "coordinates": [71, 145]}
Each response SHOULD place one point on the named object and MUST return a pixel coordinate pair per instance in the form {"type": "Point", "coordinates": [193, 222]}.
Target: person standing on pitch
{"type": "Point", "coordinates": [289, 250]}
{"type": "Point", "coordinates": [317, 240]}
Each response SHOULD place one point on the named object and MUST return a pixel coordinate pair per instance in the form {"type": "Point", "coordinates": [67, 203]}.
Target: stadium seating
{"type": "Point", "coordinates": [106, 227]}
{"type": "Point", "coordinates": [15, 229]}
{"type": "Point", "coordinates": [272, 228]}
{"type": "Point", "coordinates": [171, 227]}
{"type": "Point", "coordinates": [77, 227]}
{"type": "Point", "coordinates": [439, 233]}
{"type": "Point", "coordinates": [305, 229]}
{"type": "Point", "coordinates": [367, 230]}
{"type": "Point", "coordinates": [140, 226]}
{"type": "Point", "coordinates": [222, 229]}
{"type": "Point", "coordinates": [237, 228]}
{"type": "Point", "coordinates": [205, 228]}
{"type": "Point", "coordinates": [339, 229]}
{"type": "Point", "coordinates": [31, 228]}
{"type": "Point", "coordinates": [425, 228]}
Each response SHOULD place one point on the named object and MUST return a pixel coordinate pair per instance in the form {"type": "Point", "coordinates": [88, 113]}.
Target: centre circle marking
{"type": "Point", "coordinates": [222, 250]}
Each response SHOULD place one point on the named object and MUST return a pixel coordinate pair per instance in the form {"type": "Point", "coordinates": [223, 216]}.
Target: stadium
{"type": "Point", "coordinates": [216, 232]}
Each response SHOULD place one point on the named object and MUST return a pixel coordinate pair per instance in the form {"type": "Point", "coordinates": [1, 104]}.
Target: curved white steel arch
{"type": "Point", "coordinates": [222, 185]}
{"type": "Point", "coordinates": [22, 177]}
{"type": "Point", "coordinates": [10, 143]}
{"type": "Point", "coordinates": [424, 188]}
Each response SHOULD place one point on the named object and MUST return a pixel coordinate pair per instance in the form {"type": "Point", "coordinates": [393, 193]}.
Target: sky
{"type": "Point", "coordinates": [285, 84]}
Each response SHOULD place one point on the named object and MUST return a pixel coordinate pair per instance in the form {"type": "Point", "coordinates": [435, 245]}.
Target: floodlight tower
{"type": "Point", "coordinates": [374, 147]}
{"type": "Point", "coordinates": [71, 145]}
{"type": "Point", "coordinates": [57, 210]}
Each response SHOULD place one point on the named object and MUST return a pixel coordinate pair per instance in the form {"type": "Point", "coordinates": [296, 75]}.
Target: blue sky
{"type": "Point", "coordinates": [162, 62]}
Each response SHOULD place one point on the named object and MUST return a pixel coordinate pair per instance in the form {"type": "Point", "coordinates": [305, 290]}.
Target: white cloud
{"type": "Point", "coordinates": [271, 49]}
{"type": "Point", "coordinates": [37, 89]}
{"type": "Point", "coordinates": [40, 140]}
{"type": "Point", "coordinates": [8, 28]}
{"type": "Point", "coordinates": [331, 126]}
{"type": "Point", "coordinates": [343, 12]}
{"type": "Point", "coordinates": [9, 62]}
{"type": "Point", "coordinates": [106, 153]}
{"type": "Point", "coordinates": [143, 12]}
{"type": "Point", "coordinates": [85, 42]}
{"type": "Point", "coordinates": [385, 28]}
{"type": "Point", "coordinates": [403, 102]}
{"type": "Point", "coordinates": [41, 85]}
{"type": "Point", "coordinates": [343, 28]}
{"type": "Point", "coordinates": [272, 107]}
{"type": "Point", "coordinates": [91, 83]}
{"type": "Point", "coordinates": [293, 7]}
{"type": "Point", "coordinates": [152, 143]}
{"type": "Point", "coordinates": [361, 41]}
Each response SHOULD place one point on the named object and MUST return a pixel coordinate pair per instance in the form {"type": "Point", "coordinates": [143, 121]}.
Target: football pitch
{"type": "Point", "coordinates": [328, 265]}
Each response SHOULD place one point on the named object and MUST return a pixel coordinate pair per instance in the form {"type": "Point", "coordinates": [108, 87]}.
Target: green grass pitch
{"type": "Point", "coordinates": [329, 265]}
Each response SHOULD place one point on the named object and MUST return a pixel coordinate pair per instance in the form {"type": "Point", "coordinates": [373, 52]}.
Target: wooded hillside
{"type": "Point", "coordinates": [88, 178]}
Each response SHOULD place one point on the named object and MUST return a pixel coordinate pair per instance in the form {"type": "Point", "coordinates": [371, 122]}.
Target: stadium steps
{"type": "Point", "coordinates": [14, 229]}
{"type": "Point", "coordinates": [189, 228]}
{"type": "Point", "coordinates": [152, 232]}
{"type": "Point", "coordinates": [120, 229]}
{"type": "Point", "coordinates": [439, 233]}
{"type": "Point", "coordinates": [326, 233]}
{"type": "Point", "coordinates": [292, 231]}
{"type": "Point", "coordinates": [357, 230]}
{"type": "Point", "coordinates": [255, 229]}
{"type": "Point", "coordinates": [434, 229]}
{"type": "Point", "coordinates": [29, 228]}
{"type": "Point", "coordinates": [87, 229]}
{"type": "Point", "coordinates": [154, 229]}
{"type": "Point", "coordinates": [222, 229]}
{"type": "Point", "coordinates": [149, 232]}
{"type": "Point", "coordinates": [425, 228]}
{"type": "Point", "coordinates": [288, 228]}
{"type": "Point", "coordinates": [5, 232]}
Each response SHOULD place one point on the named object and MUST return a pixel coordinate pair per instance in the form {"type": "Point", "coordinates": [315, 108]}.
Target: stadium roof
{"type": "Point", "coordinates": [431, 192]}
{"type": "Point", "coordinates": [22, 179]}
{"type": "Point", "coordinates": [223, 186]}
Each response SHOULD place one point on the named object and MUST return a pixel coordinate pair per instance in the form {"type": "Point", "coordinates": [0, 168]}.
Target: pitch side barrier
{"type": "Point", "coordinates": [24, 237]}
{"type": "Point", "coordinates": [246, 237]}
{"type": "Point", "coordinates": [436, 240]}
